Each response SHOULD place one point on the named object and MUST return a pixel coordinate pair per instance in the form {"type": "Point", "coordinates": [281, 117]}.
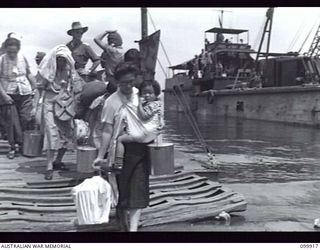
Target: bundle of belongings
{"type": "Point", "coordinates": [94, 198]}
{"type": "Point", "coordinates": [90, 92]}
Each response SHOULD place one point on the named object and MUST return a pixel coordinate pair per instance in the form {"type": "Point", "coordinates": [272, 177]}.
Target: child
{"type": "Point", "coordinates": [149, 111]}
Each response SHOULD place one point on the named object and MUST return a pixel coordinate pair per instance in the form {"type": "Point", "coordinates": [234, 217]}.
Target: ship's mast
{"type": "Point", "coordinates": [267, 30]}
{"type": "Point", "coordinates": [221, 16]}
{"type": "Point", "coordinates": [144, 22]}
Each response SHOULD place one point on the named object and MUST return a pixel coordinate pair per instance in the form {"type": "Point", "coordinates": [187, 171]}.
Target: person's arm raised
{"type": "Point", "coordinates": [99, 39]}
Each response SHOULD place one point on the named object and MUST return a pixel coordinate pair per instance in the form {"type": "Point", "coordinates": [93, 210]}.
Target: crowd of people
{"type": "Point", "coordinates": [122, 109]}
{"type": "Point", "coordinates": [203, 64]}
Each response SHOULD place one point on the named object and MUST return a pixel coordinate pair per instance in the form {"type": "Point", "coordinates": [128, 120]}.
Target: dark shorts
{"type": "Point", "coordinates": [133, 181]}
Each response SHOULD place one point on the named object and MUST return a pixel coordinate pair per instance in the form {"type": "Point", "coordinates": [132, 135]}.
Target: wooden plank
{"type": "Point", "coordinates": [53, 184]}
{"type": "Point", "coordinates": [49, 191]}
{"type": "Point", "coordinates": [170, 203]}
{"type": "Point", "coordinates": [39, 209]}
{"type": "Point", "coordinates": [202, 191]}
{"type": "Point", "coordinates": [161, 178]}
{"type": "Point", "coordinates": [28, 218]}
{"type": "Point", "coordinates": [175, 207]}
{"type": "Point", "coordinates": [200, 213]}
{"type": "Point", "coordinates": [36, 199]}
{"type": "Point", "coordinates": [59, 224]}
{"type": "Point", "coordinates": [175, 185]}
{"type": "Point", "coordinates": [68, 214]}
{"type": "Point", "coordinates": [187, 186]}
{"type": "Point", "coordinates": [16, 226]}
{"type": "Point", "coordinates": [177, 210]}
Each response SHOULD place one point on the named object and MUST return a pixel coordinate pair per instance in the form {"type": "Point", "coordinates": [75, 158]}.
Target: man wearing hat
{"type": "Point", "coordinates": [81, 52]}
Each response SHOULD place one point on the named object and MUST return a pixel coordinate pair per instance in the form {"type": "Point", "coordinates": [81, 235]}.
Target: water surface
{"type": "Point", "coordinates": [249, 150]}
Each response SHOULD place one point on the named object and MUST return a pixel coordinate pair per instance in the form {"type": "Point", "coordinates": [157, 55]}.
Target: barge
{"type": "Point", "coordinates": [281, 87]}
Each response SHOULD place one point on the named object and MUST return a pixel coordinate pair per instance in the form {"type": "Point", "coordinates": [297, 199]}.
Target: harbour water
{"type": "Point", "coordinates": [249, 151]}
{"type": "Point", "coordinates": [275, 166]}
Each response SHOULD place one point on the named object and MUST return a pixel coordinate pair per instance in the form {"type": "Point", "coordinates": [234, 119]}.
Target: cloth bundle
{"type": "Point", "coordinates": [93, 199]}
{"type": "Point", "coordinates": [82, 130]}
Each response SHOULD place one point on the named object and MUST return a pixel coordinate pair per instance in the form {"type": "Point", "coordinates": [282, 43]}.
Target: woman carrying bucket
{"type": "Point", "coordinates": [61, 84]}
{"type": "Point", "coordinates": [134, 178]}
{"type": "Point", "coordinates": [16, 84]}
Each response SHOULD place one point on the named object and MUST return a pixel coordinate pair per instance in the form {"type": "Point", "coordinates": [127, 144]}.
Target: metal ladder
{"type": "Point", "coordinates": [314, 49]}
{"type": "Point", "coordinates": [241, 73]}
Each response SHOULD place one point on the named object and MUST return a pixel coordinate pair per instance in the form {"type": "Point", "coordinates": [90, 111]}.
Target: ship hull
{"type": "Point", "coordinates": [291, 104]}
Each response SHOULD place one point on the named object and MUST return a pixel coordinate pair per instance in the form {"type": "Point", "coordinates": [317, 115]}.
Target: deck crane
{"type": "Point", "coordinates": [314, 49]}
{"type": "Point", "coordinates": [313, 67]}
{"type": "Point", "coordinates": [267, 30]}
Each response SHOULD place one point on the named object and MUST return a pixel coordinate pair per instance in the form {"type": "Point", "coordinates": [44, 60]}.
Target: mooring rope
{"type": "Point", "coordinates": [187, 110]}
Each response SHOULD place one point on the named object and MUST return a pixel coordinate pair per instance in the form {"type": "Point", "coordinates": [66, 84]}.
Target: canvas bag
{"type": "Point", "coordinates": [64, 106]}
{"type": "Point", "coordinates": [93, 200]}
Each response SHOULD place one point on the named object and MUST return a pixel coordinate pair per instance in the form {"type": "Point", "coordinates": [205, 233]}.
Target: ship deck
{"type": "Point", "coordinates": [28, 202]}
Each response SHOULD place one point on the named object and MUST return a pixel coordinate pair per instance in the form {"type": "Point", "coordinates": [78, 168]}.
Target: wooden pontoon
{"type": "Point", "coordinates": [30, 203]}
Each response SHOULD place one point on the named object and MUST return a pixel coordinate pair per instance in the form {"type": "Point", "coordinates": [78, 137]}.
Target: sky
{"type": "Point", "coordinates": [182, 29]}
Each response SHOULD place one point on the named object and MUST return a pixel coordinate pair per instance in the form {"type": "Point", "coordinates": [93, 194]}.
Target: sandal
{"type": "Point", "coordinates": [59, 166]}
{"type": "Point", "coordinates": [49, 174]}
{"type": "Point", "coordinates": [11, 154]}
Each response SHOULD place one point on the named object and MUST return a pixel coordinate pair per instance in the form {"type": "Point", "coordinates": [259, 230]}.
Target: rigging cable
{"type": "Point", "coordinates": [307, 36]}
{"type": "Point", "coordinates": [297, 35]}
{"type": "Point", "coordinates": [165, 52]}
{"type": "Point", "coordinates": [162, 68]}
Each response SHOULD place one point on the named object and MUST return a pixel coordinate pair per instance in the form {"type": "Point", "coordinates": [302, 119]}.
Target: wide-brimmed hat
{"type": "Point", "coordinates": [76, 26]}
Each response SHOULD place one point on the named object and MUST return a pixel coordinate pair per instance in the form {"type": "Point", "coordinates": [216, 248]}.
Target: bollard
{"type": "Point", "coordinates": [32, 143]}
{"type": "Point", "coordinates": [161, 158]}
{"type": "Point", "coordinates": [85, 157]}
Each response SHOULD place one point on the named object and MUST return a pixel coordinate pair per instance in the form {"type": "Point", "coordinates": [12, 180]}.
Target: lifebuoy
{"type": "Point", "coordinates": [210, 96]}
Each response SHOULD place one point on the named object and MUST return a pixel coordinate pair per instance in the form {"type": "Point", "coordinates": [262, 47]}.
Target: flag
{"type": "Point", "coordinates": [149, 53]}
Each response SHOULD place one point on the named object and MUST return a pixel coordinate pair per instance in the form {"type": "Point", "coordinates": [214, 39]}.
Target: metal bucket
{"type": "Point", "coordinates": [85, 157]}
{"type": "Point", "coordinates": [162, 158]}
{"type": "Point", "coordinates": [32, 143]}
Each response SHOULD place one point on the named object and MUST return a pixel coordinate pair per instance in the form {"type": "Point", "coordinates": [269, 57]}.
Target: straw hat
{"type": "Point", "coordinates": [76, 26]}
